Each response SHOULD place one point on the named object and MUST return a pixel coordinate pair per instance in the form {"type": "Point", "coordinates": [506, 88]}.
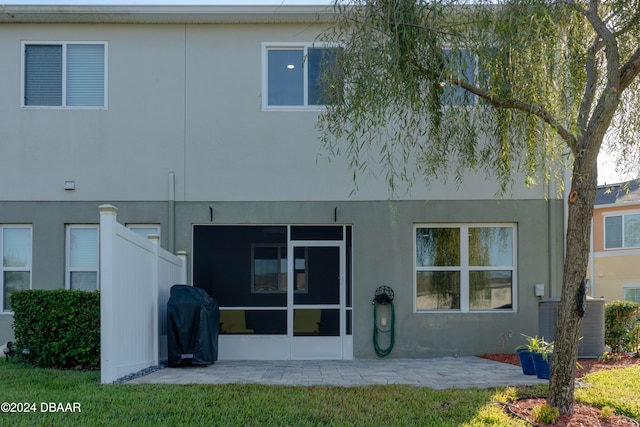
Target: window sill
{"type": "Point", "coordinates": [300, 108]}
{"type": "Point", "coordinates": [443, 311]}
{"type": "Point", "coordinates": [54, 107]}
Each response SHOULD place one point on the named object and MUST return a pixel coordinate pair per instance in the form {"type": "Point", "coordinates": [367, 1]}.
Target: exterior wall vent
{"type": "Point", "coordinates": [592, 343]}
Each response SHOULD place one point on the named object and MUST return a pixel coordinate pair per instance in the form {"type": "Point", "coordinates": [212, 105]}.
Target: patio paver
{"type": "Point", "coordinates": [438, 373]}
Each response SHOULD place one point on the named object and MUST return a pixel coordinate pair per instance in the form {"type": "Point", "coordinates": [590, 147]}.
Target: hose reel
{"type": "Point", "coordinates": [384, 297]}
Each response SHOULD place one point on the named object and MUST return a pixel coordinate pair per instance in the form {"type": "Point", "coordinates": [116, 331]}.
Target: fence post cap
{"type": "Point", "coordinates": [108, 209]}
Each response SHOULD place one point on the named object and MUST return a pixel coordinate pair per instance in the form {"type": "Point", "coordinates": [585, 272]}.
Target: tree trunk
{"type": "Point", "coordinates": [573, 296]}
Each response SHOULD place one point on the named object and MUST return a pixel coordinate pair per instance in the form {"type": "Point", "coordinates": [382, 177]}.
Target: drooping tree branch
{"type": "Point", "coordinates": [536, 110]}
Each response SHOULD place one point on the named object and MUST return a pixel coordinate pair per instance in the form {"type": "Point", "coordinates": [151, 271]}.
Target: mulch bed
{"type": "Point", "coordinates": [584, 415]}
{"type": "Point", "coordinates": [587, 366]}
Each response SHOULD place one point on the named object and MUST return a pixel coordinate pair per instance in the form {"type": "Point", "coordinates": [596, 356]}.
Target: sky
{"type": "Point", "coordinates": [606, 170]}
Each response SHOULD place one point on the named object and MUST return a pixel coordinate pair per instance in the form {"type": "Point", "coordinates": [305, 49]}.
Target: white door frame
{"type": "Point", "coordinates": [316, 347]}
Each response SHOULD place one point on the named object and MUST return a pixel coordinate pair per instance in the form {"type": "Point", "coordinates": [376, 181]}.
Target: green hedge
{"type": "Point", "coordinates": [621, 325]}
{"type": "Point", "coordinates": [61, 328]}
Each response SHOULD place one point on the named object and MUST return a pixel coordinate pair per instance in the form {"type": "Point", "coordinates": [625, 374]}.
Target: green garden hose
{"type": "Point", "coordinates": [384, 296]}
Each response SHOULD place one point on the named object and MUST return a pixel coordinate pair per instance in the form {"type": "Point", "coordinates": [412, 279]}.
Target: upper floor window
{"type": "Point", "coordinates": [622, 231]}
{"type": "Point", "coordinates": [465, 267]}
{"type": "Point", "coordinates": [297, 75]}
{"type": "Point", "coordinates": [465, 61]}
{"type": "Point", "coordinates": [82, 257]}
{"type": "Point", "coordinates": [66, 75]}
{"type": "Point", "coordinates": [15, 245]}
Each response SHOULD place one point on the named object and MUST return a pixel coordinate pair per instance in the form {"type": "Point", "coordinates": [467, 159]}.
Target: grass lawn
{"type": "Point", "coordinates": [258, 405]}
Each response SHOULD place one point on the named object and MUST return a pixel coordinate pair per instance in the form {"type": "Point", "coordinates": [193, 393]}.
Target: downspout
{"type": "Point", "coordinates": [172, 212]}
{"type": "Point", "coordinates": [565, 199]}
{"type": "Point", "coordinates": [552, 230]}
{"type": "Point", "coordinates": [592, 269]}
{"type": "Point", "coordinates": [565, 204]}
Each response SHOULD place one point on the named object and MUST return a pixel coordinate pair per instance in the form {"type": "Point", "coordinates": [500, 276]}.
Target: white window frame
{"type": "Point", "coordinates": [68, 269]}
{"type": "Point", "coordinates": [4, 269]}
{"type": "Point", "coordinates": [464, 268]}
{"type": "Point", "coordinates": [266, 46]}
{"type": "Point", "coordinates": [64, 45]}
{"type": "Point", "coordinates": [604, 228]}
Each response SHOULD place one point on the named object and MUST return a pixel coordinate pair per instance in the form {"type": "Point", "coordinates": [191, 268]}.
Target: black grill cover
{"type": "Point", "coordinates": [193, 319]}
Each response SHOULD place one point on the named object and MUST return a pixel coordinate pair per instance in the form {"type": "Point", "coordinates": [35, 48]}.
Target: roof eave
{"type": "Point", "coordinates": [620, 194]}
{"type": "Point", "coordinates": [129, 14]}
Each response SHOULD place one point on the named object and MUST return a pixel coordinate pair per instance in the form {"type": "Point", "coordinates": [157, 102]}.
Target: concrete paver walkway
{"type": "Point", "coordinates": [441, 373]}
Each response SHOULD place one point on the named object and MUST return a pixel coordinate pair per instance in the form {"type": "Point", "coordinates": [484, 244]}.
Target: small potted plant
{"type": "Point", "coordinates": [542, 359]}
{"type": "Point", "coordinates": [534, 344]}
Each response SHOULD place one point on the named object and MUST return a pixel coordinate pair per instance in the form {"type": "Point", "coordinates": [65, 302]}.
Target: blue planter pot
{"type": "Point", "coordinates": [543, 367]}
{"type": "Point", "coordinates": [526, 362]}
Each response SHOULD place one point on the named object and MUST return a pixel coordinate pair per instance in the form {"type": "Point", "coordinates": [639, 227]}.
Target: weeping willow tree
{"type": "Point", "coordinates": [432, 88]}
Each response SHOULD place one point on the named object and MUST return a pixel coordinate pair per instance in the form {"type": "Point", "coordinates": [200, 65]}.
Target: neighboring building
{"type": "Point", "coordinates": [615, 257]}
{"type": "Point", "coordinates": [198, 123]}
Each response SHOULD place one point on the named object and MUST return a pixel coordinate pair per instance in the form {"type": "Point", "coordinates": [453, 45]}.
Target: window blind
{"type": "Point", "coordinates": [632, 294]}
{"type": "Point", "coordinates": [43, 75]}
{"type": "Point", "coordinates": [16, 247]}
{"type": "Point", "coordinates": [83, 248]}
{"type": "Point", "coordinates": [85, 75]}
{"type": "Point", "coordinates": [613, 232]}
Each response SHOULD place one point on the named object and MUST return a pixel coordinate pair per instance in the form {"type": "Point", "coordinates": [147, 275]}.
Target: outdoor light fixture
{"type": "Point", "coordinates": [8, 350]}
{"type": "Point", "coordinates": [25, 355]}
{"type": "Point", "coordinates": [69, 185]}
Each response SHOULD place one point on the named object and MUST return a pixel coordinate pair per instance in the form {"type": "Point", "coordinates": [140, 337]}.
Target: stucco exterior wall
{"type": "Point", "coordinates": [383, 239]}
{"type": "Point", "coordinates": [614, 271]}
{"type": "Point", "coordinates": [182, 99]}
{"type": "Point", "coordinates": [184, 141]}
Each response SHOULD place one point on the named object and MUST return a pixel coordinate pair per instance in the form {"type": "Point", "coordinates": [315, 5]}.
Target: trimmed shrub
{"type": "Point", "coordinates": [61, 328]}
{"type": "Point", "coordinates": [621, 325]}
{"type": "Point", "coordinates": [545, 413]}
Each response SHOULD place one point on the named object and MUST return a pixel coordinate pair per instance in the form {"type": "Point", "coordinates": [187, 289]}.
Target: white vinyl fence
{"type": "Point", "coordinates": [136, 276]}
